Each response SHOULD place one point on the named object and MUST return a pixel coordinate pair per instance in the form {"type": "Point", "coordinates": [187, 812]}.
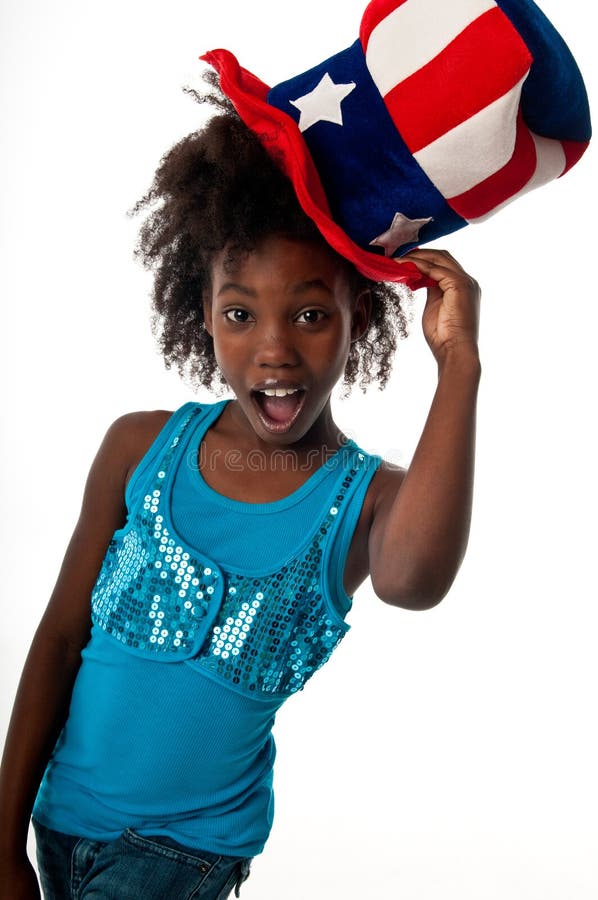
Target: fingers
{"type": "Point", "coordinates": [440, 264]}
{"type": "Point", "coordinates": [437, 258]}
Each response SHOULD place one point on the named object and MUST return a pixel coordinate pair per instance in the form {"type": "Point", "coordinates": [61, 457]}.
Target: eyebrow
{"type": "Point", "coordinates": [303, 287]}
{"type": "Point", "coordinates": [240, 288]}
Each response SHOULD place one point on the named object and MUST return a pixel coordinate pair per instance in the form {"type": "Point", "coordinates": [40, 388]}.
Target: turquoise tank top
{"type": "Point", "coordinates": [207, 614]}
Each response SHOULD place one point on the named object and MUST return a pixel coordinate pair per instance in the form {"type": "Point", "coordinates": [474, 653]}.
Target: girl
{"type": "Point", "coordinates": [219, 546]}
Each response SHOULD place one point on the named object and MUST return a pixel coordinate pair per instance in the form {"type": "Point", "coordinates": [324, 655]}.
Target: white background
{"type": "Point", "coordinates": [440, 755]}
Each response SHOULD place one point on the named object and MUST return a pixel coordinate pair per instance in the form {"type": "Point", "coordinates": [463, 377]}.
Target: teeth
{"type": "Point", "coordinates": [279, 392]}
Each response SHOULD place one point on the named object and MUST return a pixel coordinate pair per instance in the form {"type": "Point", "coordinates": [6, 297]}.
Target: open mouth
{"type": "Point", "coordinates": [278, 414]}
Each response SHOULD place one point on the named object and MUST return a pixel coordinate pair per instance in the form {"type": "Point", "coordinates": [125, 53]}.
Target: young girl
{"type": "Point", "coordinates": [219, 546]}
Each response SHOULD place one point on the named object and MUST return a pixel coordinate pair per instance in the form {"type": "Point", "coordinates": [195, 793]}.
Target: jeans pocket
{"type": "Point", "coordinates": [167, 848]}
{"type": "Point", "coordinates": [183, 872]}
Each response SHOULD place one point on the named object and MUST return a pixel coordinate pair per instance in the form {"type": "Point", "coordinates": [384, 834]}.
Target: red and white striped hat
{"type": "Point", "coordinates": [437, 116]}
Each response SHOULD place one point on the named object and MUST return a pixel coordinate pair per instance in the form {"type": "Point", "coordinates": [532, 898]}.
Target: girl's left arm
{"type": "Point", "coordinates": [419, 532]}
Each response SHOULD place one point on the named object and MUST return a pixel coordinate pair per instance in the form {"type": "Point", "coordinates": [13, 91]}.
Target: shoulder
{"type": "Point", "coordinates": [131, 435]}
{"type": "Point", "coordinates": [134, 426]}
{"type": "Point", "coordinates": [382, 489]}
{"type": "Point", "coordinates": [126, 441]}
{"type": "Point", "coordinates": [384, 486]}
{"type": "Point", "coordinates": [134, 429]}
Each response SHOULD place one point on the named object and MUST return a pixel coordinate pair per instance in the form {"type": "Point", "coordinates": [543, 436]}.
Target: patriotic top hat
{"type": "Point", "coordinates": [437, 116]}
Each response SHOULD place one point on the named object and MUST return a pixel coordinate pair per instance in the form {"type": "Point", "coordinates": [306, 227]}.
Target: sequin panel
{"type": "Point", "coordinates": [263, 635]}
{"type": "Point", "coordinates": [151, 594]}
{"type": "Point", "coordinates": [273, 633]}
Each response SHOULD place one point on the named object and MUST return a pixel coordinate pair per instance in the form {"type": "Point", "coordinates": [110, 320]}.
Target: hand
{"type": "Point", "coordinates": [451, 315]}
{"type": "Point", "coordinates": [18, 881]}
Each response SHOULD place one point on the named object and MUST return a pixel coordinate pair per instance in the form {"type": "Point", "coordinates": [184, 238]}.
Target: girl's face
{"type": "Point", "coordinates": [282, 317]}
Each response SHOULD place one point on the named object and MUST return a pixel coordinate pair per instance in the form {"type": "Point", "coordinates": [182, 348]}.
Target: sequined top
{"type": "Point", "coordinates": [190, 656]}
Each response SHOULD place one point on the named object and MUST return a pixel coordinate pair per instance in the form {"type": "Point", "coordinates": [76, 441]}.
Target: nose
{"type": "Point", "coordinates": [274, 346]}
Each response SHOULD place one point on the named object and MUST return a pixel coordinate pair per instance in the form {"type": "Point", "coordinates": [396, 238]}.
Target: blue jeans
{"type": "Point", "coordinates": [133, 867]}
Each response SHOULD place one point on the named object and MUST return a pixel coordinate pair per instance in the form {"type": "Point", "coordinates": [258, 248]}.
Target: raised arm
{"type": "Point", "coordinates": [420, 531]}
{"type": "Point", "coordinates": [44, 692]}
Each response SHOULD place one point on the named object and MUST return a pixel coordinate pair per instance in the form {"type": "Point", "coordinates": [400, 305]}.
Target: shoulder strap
{"type": "Point", "coordinates": [145, 467]}
{"type": "Point", "coordinates": [363, 468]}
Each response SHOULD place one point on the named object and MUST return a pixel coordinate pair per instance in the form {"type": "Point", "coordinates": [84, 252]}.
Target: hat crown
{"type": "Point", "coordinates": [437, 116]}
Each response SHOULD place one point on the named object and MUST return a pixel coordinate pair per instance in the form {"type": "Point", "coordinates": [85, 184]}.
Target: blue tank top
{"type": "Point", "coordinates": [207, 614]}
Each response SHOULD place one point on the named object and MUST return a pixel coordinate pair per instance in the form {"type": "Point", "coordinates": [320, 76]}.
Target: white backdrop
{"type": "Point", "coordinates": [444, 755]}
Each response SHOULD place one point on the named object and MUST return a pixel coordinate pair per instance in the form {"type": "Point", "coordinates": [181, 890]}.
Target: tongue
{"type": "Point", "coordinates": [280, 409]}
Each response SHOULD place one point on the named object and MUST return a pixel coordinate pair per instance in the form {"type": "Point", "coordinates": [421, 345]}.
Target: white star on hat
{"type": "Point", "coordinates": [323, 104]}
{"type": "Point", "coordinates": [402, 231]}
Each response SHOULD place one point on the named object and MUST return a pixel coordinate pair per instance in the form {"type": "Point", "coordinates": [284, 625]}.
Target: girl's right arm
{"type": "Point", "coordinates": [44, 692]}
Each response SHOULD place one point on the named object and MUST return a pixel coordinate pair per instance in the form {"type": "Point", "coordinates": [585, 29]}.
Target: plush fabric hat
{"type": "Point", "coordinates": [437, 116]}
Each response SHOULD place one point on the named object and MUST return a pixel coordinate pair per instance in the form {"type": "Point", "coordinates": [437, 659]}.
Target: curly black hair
{"type": "Point", "coordinates": [218, 187]}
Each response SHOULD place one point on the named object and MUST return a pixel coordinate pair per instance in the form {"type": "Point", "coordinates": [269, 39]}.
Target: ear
{"type": "Point", "coordinates": [362, 310]}
{"type": "Point", "coordinates": [207, 313]}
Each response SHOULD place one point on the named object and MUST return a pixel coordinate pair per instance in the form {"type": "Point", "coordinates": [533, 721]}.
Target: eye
{"type": "Point", "coordinates": [238, 315]}
{"type": "Point", "coordinates": [312, 316]}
